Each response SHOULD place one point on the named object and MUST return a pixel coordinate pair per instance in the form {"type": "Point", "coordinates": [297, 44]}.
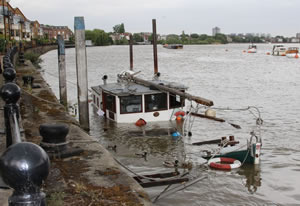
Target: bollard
{"type": "Point", "coordinates": [10, 93]}
{"type": "Point", "coordinates": [24, 167]}
{"type": "Point", "coordinates": [54, 141]}
{"type": "Point", "coordinates": [8, 65]}
{"type": "Point", "coordinates": [9, 74]}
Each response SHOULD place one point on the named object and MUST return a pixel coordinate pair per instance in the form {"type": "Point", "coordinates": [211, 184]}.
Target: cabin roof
{"type": "Point", "coordinates": [131, 88]}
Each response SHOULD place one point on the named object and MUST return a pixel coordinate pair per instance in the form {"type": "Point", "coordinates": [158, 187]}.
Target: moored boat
{"type": "Point", "coordinates": [292, 52]}
{"type": "Point", "coordinates": [252, 48]}
{"type": "Point", "coordinates": [278, 50]}
{"type": "Point", "coordinates": [173, 46]}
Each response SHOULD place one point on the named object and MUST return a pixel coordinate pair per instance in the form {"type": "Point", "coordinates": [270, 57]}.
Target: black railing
{"type": "Point", "coordinates": [23, 166]}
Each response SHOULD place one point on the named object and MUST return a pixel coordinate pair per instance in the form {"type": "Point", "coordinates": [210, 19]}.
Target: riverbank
{"type": "Point", "coordinates": [93, 177]}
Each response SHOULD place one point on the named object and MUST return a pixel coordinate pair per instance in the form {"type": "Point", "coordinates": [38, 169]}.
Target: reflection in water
{"type": "Point", "coordinates": [252, 174]}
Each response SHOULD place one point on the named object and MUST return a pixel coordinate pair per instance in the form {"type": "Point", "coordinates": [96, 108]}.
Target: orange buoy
{"type": "Point", "coordinates": [244, 51]}
{"type": "Point", "coordinates": [141, 122]}
{"type": "Point", "coordinates": [182, 113]}
{"type": "Point", "coordinates": [268, 53]}
{"type": "Point", "coordinates": [179, 117]}
{"type": "Point", "coordinates": [296, 56]}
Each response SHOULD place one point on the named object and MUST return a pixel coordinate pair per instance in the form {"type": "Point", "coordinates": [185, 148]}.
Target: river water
{"type": "Point", "coordinates": [232, 79]}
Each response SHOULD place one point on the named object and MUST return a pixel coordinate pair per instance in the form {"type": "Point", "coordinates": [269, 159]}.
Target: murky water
{"type": "Point", "coordinates": [229, 77]}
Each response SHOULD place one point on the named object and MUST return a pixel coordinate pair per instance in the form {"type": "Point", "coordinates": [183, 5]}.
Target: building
{"type": "Point", "coordinates": [216, 30]}
{"type": "Point", "coordinates": [51, 32]}
{"type": "Point", "coordinates": [15, 26]}
{"type": "Point", "coordinates": [298, 35]}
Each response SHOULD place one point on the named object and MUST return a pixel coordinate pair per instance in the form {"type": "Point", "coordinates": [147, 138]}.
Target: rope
{"type": "Point", "coordinates": [142, 176]}
{"type": "Point", "coordinates": [39, 98]}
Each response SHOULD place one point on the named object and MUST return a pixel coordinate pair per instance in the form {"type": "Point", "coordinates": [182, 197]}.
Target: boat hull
{"type": "Point", "coordinates": [244, 156]}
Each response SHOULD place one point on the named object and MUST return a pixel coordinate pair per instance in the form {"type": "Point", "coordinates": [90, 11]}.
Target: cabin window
{"type": "Point", "coordinates": [94, 99]}
{"type": "Point", "coordinates": [155, 102]}
{"type": "Point", "coordinates": [130, 104]}
{"type": "Point", "coordinates": [176, 101]}
{"type": "Point", "coordinates": [111, 103]}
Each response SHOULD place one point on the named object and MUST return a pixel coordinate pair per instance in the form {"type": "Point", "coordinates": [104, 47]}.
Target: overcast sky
{"type": "Point", "coordinates": [277, 17]}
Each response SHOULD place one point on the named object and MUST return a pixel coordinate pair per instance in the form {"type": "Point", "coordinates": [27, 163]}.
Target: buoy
{"type": "Point", "coordinates": [181, 113]}
{"type": "Point", "coordinates": [175, 135]}
{"type": "Point", "coordinates": [296, 56]}
{"type": "Point", "coordinates": [210, 113]}
{"type": "Point", "coordinates": [140, 122]}
{"type": "Point", "coordinates": [244, 51]}
{"type": "Point", "coordinates": [268, 53]}
{"type": "Point", "coordinates": [179, 118]}
{"type": "Point", "coordinates": [224, 163]}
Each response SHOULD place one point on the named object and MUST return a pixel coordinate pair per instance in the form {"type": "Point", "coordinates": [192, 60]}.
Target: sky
{"type": "Point", "coordinates": [277, 17]}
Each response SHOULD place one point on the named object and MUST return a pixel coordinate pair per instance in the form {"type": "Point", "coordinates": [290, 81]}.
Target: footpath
{"type": "Point", "coordinates": [93, 178]}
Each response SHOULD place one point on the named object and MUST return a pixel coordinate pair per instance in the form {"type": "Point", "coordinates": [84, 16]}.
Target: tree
{"type": "Point", "coordinates": [137, 37]}
{"type": "Point", "coordinates": [98, 37]}
{"type": "Point", "coordinates": [119, 28]}
{"type": "Point", "coordinates": [194, 36]}
{"type": "Point", "coordinates": [222, 38]}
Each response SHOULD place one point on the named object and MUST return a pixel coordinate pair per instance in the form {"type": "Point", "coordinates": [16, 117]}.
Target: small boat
{"type": "Point", "coordinates": [292, 52]}
{"type": "Point", "coordinates": [278, 50]}
{"type": "Point", "coordinates": [252, 48]}
{"type": "Point", "coordinates": [249, 153]}
{"type": "Point", "coordinates": [173, 46]}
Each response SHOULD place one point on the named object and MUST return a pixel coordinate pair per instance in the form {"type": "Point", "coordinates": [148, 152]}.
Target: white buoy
{"type": "Point", "coordinates": [210, 113]}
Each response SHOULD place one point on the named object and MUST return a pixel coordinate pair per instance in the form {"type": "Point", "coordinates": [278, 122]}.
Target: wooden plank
{"type": "Point", "coordinates": [186, 95]}
{"type": "Point", "coordinates": [163, 182]}
{"type": "Point", "coordinates": [62, 71]}
{"type": "Point", "coordinates": [158, 175]}
{"type": "Point", "coordinates": [215, 141]}
{"type": "Point", "coordinates": [81, 69]}
{"type": "Point", "coordinates": [207, 117]}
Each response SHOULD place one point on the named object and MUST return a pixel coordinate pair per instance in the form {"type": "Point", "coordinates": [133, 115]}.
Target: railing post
{"type": "Point", "coordinates": [131, 51]}
{"type": "Point", "coordinates": [62, 71]}
{"type": "Point", "coordinates": [81, 68]}
{"type": "Point", "coordinates": [24, 166]}
{"type": "Point", "coordinates": [10, 94]}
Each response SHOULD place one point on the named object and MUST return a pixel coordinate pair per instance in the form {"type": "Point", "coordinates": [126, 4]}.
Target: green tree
{"type": "Point", "coordinates": [137, 37]}
{"type": "Point", "coordinates": [119, 28]}
{"type": "Point", "coordinates": [194, 36]}
{"type": "Point", "coordinates": [222, 38]}
{"type": "Point", "coordinates": [98, 37]}
{"type": "Point", "coordinates": [173, 39]}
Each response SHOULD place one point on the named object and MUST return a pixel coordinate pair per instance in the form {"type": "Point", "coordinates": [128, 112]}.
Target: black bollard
{"type": "Point", "coordinates": [54, 137]}
{"type": "Point", "coordinates": [10, 93]}
{"type": "Point", "coordinates": [54, 141]}
{"type": "Point", "coordinates": [9, 75]}
{"type": "Point", "coordinates": [24, 166]}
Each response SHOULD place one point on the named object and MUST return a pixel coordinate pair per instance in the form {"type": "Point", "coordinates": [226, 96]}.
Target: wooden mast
{"type": "Point", "coordinates": [188, 96]}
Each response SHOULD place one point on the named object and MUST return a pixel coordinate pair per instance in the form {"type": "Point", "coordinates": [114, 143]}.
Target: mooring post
{"type": "Point", "coordinates": [131, 51]}
{"type": "Point", "coordinates": [62, 71]}
{"type": "Point", "coordinates": [81, 70]}
{"type": "Point", "coordinates": [154, 38]}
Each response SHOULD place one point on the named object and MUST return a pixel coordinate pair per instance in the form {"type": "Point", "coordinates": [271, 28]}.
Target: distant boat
{"type": "Point", "coordinates": [292, 52]}
{"type": "Point", "coordinates": [252, 48]}
{"type": "Point", "coordinates": [279, 50]}
{"type": "Point", "coordinates": [173, 46]}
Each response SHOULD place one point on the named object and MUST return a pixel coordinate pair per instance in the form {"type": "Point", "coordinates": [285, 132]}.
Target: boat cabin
{"type": "Point", "coordinates": [252, 46]}
{"type": "Point", "coordinates": [127, 102]}
{"type": "Point", "coordinates": [292, 50]}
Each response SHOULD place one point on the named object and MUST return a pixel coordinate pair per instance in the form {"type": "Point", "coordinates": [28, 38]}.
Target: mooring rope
{"type": "Point", "coordinates": [142, 176]}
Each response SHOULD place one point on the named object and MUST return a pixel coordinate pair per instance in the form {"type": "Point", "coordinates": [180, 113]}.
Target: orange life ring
{"type": "Point", "coordinates": [181, 113]}
{"type": "Point", "coordinates": [224, 163]}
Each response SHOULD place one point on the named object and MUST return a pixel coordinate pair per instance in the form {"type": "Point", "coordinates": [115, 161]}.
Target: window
{"type": "Point", "coordinates": [155, 102]}
{"type": "Point", "coordinates": [111, 103]}
{"type": "Point", "coordinates": [130, 104]}
{"type": "Point", "coordinates": [176, 101]}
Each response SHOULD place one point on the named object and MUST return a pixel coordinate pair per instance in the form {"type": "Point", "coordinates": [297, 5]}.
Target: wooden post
{"type": "Point", "coordinates": [81, 70]}
{"type": "Point", "coordinates": [62, 71]}
{"type": "Point", "coordinates": [131, 52]}
{"type": "Point", "coordinates": [154, 46]}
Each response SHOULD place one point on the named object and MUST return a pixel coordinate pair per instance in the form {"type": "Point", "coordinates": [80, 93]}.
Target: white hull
{"type": "Point", "coordinates": [292, 55]}
{"type": "Point", "coordinates": [252, 50]}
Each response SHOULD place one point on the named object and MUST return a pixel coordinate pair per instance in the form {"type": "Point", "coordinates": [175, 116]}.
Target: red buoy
{"type": "Point", "coordinates": [141, 122]}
